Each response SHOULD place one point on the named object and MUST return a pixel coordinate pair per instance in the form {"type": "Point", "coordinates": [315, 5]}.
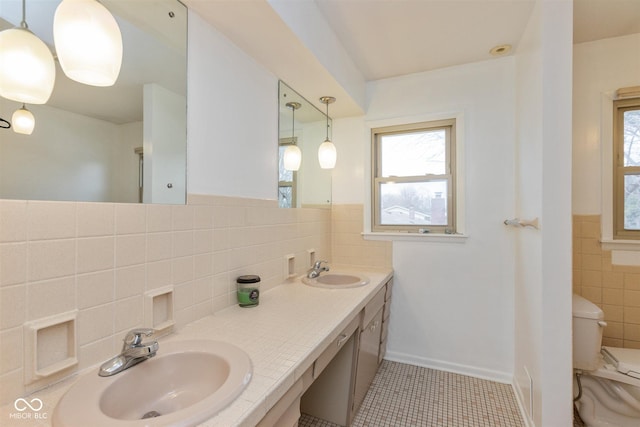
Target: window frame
{"type": "Point", "coordinates": [450, 175]}
{"type": "Point", "coordinates": [619, 170]}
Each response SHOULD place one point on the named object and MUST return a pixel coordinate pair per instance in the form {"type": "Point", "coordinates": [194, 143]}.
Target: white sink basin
{"type": "Point", "coordinates": [337, 280]}
{"type": "Point", "coordinates": [186, 383]}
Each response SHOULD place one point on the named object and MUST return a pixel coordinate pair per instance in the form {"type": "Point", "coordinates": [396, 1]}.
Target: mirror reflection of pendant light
{"type": "Point", "coordinates": [23, 121]}
{"type": "Point", "coordinates": [88, 42]}
{"type": "Point", "coordinates": [27, 70]}
{"type": "Point", "coordinates": [327, 151]}
{"type": "Point", "coordinates": [292, 154]}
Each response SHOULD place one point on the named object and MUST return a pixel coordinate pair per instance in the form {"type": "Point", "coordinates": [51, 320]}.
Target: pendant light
{"type": "Point", "coordinates": [27, 73]}
{"type": "Point", "coordinates": [23, 121]}
{"type": "Point", "coordinates": [292, 154]}
{"type": "Point", "coordinates": [88, 42]}
{"type": "Point", "coordinates": [327, 151]}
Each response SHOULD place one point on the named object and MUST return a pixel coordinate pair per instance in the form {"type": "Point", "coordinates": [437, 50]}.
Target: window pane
{"type": "Point", "coordinates": [283, 174]}
{"type": "Point", "coordinates": [414, 154]}
{"type": "Point", "coordinates": [632, 138]}
{"type": "Point", "coordinates": [285, 195]}
{"type": "Point", "coordinates": [415, 203]}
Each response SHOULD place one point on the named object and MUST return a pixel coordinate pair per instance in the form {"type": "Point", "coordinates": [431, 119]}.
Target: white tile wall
{"type": "Point", "coordinates": [100, 258]}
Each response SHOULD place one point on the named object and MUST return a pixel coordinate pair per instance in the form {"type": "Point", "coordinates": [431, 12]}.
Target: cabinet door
{"type": "Point", "coordinates": [367, 358]}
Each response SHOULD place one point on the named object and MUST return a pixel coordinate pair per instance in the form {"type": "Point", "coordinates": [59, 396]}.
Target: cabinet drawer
{"type": "Point", "coordinates": [323, 360]}
{"type": "Point", "coordinates": [373, 307]}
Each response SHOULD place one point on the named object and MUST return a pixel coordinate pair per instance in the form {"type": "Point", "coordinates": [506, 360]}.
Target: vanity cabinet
{"type": "Point", "coordinates": [335, 385]}
{"type": "Point", "coordinates": [369, 349]}
{"type": "Point", "coordinates": [286, 412]}
{"type": "Point", "coordinates": [330, 397]}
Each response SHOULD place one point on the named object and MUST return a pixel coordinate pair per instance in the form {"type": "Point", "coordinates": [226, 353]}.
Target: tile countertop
{"type": "Point", "coordinates": [283, 336]}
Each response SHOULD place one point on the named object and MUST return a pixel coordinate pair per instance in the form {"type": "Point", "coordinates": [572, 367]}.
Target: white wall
{"type": "Point", "coordinates": [543, 188]}
{"type": "Point", "coordinates": [126, 181]}
{"type": "Point", "coordinates": [349, 181]}
{"type": "Point", "coordinates": [452, 305]}
{"type": "Point", "coordinates": [600, 67]}
{"type": "Point", "coordinates": [164, 146]}
{"type": "Point", "coordinates": [232, 118]}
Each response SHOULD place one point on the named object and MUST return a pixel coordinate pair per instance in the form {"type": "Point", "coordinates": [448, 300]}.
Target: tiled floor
{"type": "Point", "coordinates": [406, 396]}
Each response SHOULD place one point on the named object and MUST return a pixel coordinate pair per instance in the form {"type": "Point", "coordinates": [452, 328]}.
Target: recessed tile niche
{"type": "Point", "coordinates": [158, 311]}
{"type": "Point", "coordinates": [50, 346]}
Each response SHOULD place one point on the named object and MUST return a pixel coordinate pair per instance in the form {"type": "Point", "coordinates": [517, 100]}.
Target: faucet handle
{"type": "Point", "coordinates": [135, 336]}
{"type": "Point", "coordinates": [318, 264]}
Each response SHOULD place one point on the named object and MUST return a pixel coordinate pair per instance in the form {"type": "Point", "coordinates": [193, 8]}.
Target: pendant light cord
{"type": "Point", "coordinates": [4, 124]}
{"type": "Point", "coordinates": [23, 23]}
{"type": "Point", "coordinates": [327, 104]}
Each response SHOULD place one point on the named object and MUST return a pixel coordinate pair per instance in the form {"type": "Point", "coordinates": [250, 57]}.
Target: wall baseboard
{"type": "Point", "coordinates": [472, 371]}
{"type": "Point", "coordinates": [522, 405]}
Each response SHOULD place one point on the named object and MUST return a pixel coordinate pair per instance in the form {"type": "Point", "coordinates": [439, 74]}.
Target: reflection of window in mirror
{"type": "Point", "coordinates": [287, 188]}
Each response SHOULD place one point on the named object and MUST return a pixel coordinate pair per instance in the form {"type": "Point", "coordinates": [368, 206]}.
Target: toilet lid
{"type": "Point", "coordinates": [626, 360]}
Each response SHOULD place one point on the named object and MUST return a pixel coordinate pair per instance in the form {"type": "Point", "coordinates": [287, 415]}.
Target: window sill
{"type": "Point", "coordinates": [416, 237]}
{"type": "Point", "coordinates": [620, 245]}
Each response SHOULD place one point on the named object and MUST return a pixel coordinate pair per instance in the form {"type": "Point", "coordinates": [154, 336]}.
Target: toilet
{"type": "Point", "coordinates": [608, 377]}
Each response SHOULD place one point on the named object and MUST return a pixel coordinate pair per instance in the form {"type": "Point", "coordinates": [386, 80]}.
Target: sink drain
{"type": "Point", "coordinates": [151, 414]}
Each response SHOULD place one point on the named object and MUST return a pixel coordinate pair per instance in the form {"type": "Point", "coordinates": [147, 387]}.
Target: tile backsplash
{"type": "Point", "coordinates": [101, 258]}
{"type": "Point", "coordinates": [614, 288]}
{"type": "Point", "coordinates": [347, 243]}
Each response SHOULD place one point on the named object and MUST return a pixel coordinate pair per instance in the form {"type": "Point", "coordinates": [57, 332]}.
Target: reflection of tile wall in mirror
{"type": "Point", "coordinates": [310, 186]}
{"type": "Point", "coordinates": [84, 144]}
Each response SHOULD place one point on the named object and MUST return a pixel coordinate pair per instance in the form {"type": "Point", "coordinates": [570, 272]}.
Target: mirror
{"type": "Point", "coordinates": [124, 143]}
{"type": "Point", "coordinates": [310, 186]}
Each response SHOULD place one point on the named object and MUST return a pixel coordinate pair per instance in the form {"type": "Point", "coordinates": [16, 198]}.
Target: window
{"type": "Point", "coordinates": [287, 180]}
{"type": "Point", "coordinates": [414, 177]}
{"type": "Point", "coordinates": [626, 173]}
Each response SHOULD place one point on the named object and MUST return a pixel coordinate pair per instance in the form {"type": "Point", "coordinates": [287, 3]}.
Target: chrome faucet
{"type": "Point", "coordinates": [317, 269]}
{"type": "Point", "coordinates": [134, 351]}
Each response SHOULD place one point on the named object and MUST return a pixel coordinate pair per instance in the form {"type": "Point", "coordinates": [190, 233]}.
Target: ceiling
{"type": "Point", "coordinates": [602, 19]}
{"type": "Point", "coordinates": [397, 37]}
{"type": "Point", "coordinates": [383, 38]}
{"type": "Point", "coordinates": [393, 38]}
{"type": "Point", "coordinates": [387, 38]}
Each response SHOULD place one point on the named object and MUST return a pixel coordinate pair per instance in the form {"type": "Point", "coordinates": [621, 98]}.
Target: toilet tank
{"type": "Point", "coordinates": [587, 333]}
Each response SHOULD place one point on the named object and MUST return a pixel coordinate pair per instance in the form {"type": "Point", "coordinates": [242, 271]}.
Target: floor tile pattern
{"type": "Point", "coordinates": [406, 396]}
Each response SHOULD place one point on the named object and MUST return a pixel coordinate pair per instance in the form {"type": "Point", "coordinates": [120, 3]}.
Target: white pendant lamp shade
{"type": "Point", "coordinates": [23, 121]}
{"type": "Point", "coordinates": [327, 155]}
{"type": "Point", "coordinates": [27, 70]}
{"type": "Point", "coordinates": [292, 158]}
{"type": "Point", "coordinates": [88, 42]}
